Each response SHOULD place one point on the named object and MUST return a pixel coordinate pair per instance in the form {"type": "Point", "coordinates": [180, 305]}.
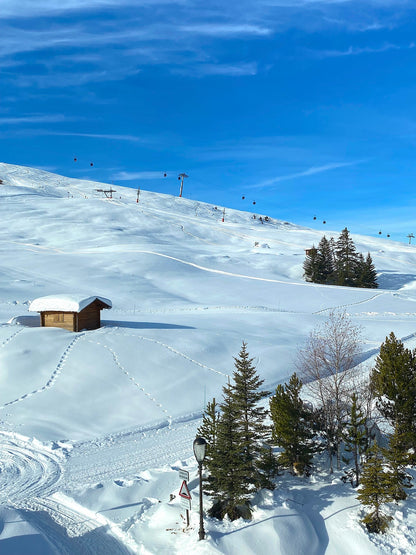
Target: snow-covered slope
{"type": "Point", "coordinates": [109, 409]}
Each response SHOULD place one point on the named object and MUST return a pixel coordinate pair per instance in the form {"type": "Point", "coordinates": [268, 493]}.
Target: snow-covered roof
{"type": "Point", "coordinates": [65, 303]}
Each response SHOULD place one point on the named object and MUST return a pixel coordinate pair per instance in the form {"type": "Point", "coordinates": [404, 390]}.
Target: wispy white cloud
{"type": "Point", "coordinates": [34, 132]}
{"type": "Point", "coordinates": [259, 148]}
{"type": "Point", "coordinates": [132, 176]}
{"type": "Point", "coordinates": [356, 50]}
{"type": "Point", "coordinates": [310, 171]}
{"type": "Point", "coordinates": [225, 29]}
{"type": "Point", "coordinates": [106, 136]}
{"type": "Point", "coordinates": [74, 79]}
{"type": "Point", "coordinates": [39, 118]}
{"type": "Point", "coordinates": [33, 8]}
{"type": "Point", "coordinates": [182, 35]}
{"type": "Point", "coordinates": [297, 3]}
{"type": "Point", "coordinates": [203, 70]}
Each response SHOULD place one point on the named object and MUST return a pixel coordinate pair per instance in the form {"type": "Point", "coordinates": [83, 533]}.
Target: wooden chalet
{"type": "Point", "coordinates": [71, 312]}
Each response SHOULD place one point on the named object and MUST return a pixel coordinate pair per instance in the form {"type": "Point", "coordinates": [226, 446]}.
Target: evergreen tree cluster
{"type": "Point", "coordinates": [240, 459]}
{"type": "Point", "coordinates": [339, 263]}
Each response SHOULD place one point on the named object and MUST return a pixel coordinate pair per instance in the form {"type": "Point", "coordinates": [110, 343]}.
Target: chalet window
{"type": "Point", "coordinates": [58, 317]}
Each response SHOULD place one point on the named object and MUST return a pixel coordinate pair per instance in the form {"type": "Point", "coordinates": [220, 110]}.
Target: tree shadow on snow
{"type": "Point", "coordinates": [306, 505]}
{"type": "Point", "coordinates": [91, 542]}
{"type": "Point", "coordinates": [391, 280]}
{"type": "Point", "coordinates": [289, 544]}
{"type": "Point", "coordinates": [144, 325]}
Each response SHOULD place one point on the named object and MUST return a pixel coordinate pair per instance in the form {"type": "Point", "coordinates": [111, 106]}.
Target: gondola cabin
{"type": "Point", "coordinates": [71, 312]}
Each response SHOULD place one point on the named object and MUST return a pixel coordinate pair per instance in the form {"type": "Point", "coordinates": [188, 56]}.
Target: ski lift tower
{"type": "Point", "coordinates": [107, 192]}
{"type": "Point", "coordinates": [182, 176]}
{"type": "Point", "coordinates": [410, 237]}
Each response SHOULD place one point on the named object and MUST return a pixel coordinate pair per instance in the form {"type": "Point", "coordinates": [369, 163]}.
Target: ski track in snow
{"type": "Point", "coordinates": [32, 474]}
{"type": "Point", "coordinates": [53, 377]}
{"type": "Point", "coordinates": [175, 351]}
{"type": "Point", "coordinates": [131, 378]}
{"type": "Point", "coordinates": [125, 455]}
{"type": "Point", "coordinates": [71, 529]}
{"type": "Point", "coordinates": [27, 469]}
{"type": "Point", "coordinates": [338, 307]}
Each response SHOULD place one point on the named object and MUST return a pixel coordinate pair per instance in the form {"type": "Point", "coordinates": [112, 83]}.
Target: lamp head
{"type": "Point", "coordinates": [200, 446]}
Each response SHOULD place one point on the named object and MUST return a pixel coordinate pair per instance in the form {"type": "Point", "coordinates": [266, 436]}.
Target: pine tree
{"type": "Point", "coordinates": [355, 436]}
{"type": "Point", "coordinates": [375, 490]}
{"type": "Point", "coordinates": [239, 462]}
{"type": "Point", "coordinates": [368, 274]}
{"type": "Point", "coordinates": [291, 428]}
{"type": "Point", "coordinates": [324, 262]}
{"type": "Point", "coordinates": [209, 430]}
{"type": "Point", "coordinates": [310, 265]}
{"type": "Point", "coordinates": [397, 458]}
{"type": "Point", "coordinates": [228, 467]}
{"type": "Point", "coordinates": [359, 270]}
{"type": "Point", "coordinates": [246, 395]}
{"type": "Point", "coordinates": [393, 381]}
{"type": "Point", "coordinates": [269, 468]}
{"type": "Point", "coordinates": [346, 260]}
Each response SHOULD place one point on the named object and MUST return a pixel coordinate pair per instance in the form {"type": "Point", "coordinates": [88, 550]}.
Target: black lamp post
{"type": "Point", "coordinates": [200, 446]}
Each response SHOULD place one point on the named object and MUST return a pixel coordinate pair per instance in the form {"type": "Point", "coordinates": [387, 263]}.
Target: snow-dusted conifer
{"type": "Point", "coordinates": [291, 428]}
{"type": "Point", "coordinates": [228, 467]}
{"type": "Point", "coordinates": [310, 265]}
{"type": "Point", "coordinates": [375, 490]}
{"type": "Point", "coordinates": [355, 437]}
{"type": "Point", "coordinates": [346, 260]}
{"type": "Point", "coordinates": [393, 381]}
{"type": "Point", "coordinates": [367, 273]}
{"type": "Point", "coordinates": [325, 262]}
{"type": "Point", "coordinates": [397, 458]}
{"type": "Point", "coordinates": [209, 430]}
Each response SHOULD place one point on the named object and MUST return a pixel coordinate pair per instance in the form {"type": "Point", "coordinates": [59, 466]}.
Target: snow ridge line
{"type": "Point", "coordinates": [6, 341]}
{"type": "Point", "coordinates": [170, 348]}
{"type": "Point", "coordinates": [350, 304]}
{"type": "Point", "coordinates": [80, 530]}
{"type": "Point", "coordinates": [53, 377]}
{"type": "Point", "coordinates": [131, 378]}
{"type": "Point", "coordinates": [228, 308]}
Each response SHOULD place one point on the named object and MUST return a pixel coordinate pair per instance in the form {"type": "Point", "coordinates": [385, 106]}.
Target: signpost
{"type": "Point", "coordinates": [184, 475]}
{"type": "Point", "coordinates": [184, 493]}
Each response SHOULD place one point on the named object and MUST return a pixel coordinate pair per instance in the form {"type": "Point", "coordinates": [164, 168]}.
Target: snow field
{"type": "Point", "coordinates": [114, 411]}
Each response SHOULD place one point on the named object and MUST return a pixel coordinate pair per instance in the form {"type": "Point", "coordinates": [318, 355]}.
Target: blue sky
{"type": "Point", "coordinates": [305, 107]}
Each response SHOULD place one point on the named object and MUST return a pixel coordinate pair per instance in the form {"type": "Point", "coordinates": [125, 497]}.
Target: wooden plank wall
{"type": "Point", "coordinates": [65, 320]}
{"type": "Point", "coordinates": [89, 318]}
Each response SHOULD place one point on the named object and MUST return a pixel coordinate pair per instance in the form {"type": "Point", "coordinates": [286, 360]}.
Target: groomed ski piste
{"type": "Point", "coordinates": [95, 425]}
